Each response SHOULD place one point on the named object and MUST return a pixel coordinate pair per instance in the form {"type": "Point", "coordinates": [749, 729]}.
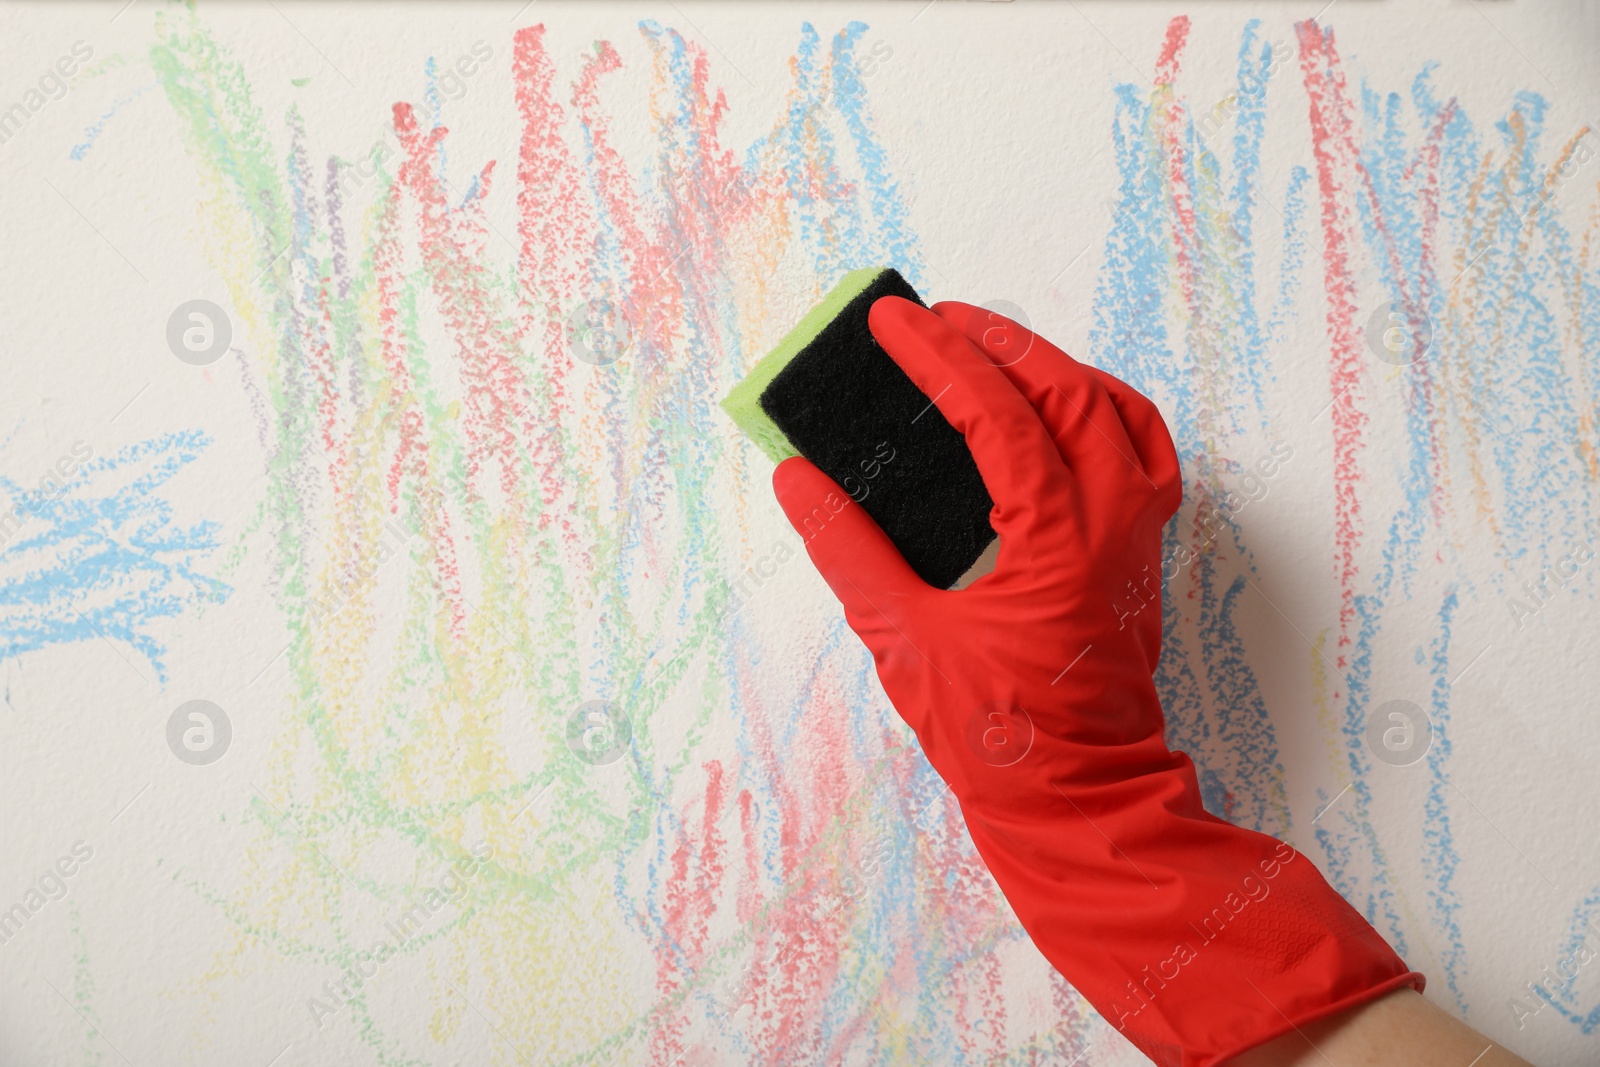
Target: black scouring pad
{"type": "Point", "coordinates": [830, 393]}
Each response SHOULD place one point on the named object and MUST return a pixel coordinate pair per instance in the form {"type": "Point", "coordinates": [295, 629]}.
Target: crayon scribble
{"type": "Point", "coordinates": [500, 488]}
{"type": "Point", "coordinates": [534, 409]}
{"type": "Point", "coordinates": [1464, 227]}
{"type": "Point", "coordinates": [97, 555]}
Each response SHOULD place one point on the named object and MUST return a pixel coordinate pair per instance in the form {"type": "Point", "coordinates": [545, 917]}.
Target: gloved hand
{"type": "Point", "coordinates": [1031, 694]}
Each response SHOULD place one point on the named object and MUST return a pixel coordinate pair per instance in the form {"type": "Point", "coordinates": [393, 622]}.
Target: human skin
{"type": "Point", "coordinates": [1402, 1028]}
{"type": "Point", "coordinates": [1055, 482]}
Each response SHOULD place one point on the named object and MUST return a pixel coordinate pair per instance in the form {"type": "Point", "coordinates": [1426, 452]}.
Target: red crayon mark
{"type": "Point", "coordinates": [1412, 302]}
{"type": "Point", "coordinates": [693, 882]}
{"type": "Point", "coordinates": [748, 901]}
{"type": "Point", "coordinates": [451, 244]}
{"type": "Point", "coordinates": [1173, 132]}
{"type": "Point", "coordinates": [411, 456]}
{"type": "Point", "coordinates": [1167, 61]}
{"type": "Point", "coordinates": [555, 224]}
{"type": "Point", "coordinates": [1331, 140]}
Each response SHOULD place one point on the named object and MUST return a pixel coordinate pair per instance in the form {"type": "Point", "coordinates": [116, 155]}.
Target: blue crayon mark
{"type": "Point", "coordinates": [101, 555]}
{"type": "Point", "coordinates": [1578, 951]}
{"type": "Point", "coordinates": [92, 132]}
{"type": "Point", "coordinates": [1209, 379]}
{"type": "Point", "coordinates": [1454, 219]}
{"type": "Point", "coordinates": [1439, 855]}
{"type": "Point", "coordinates": [889, 212]}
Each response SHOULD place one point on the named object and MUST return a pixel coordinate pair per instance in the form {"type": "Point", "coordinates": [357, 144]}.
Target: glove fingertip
{"type": "Point", "coordinates": [847, 546]}
{"type": "Point", "coordinates": [798, 484]}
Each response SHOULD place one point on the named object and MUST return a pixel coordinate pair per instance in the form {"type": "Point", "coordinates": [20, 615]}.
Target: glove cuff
{"type": "Point", "coordinates": [1240, 978]}
{"type": "Point", "coordinates": [1197, 942]}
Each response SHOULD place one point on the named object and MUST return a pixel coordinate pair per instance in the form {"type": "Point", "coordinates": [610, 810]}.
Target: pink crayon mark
{"type": "Point", "coordinates": [1419, 379]}
{"type": "Point", "coordinates": [388, 256]}
{"type": "Point", "coordinates": [1339, 158]}
{"type": "Point", "coordinates": [649, 297]}
{"type": "Point", "coordinates": [1068, 1005]}
{"type": "Point", "coordinates": [554, 224]}
{"type": "Point", "coordinates": [648, 260]}
{"type": "Point", "coordinates": [1186, 242]}
{"type": "Point", "coordinates": [411, 453]}
{"type": "Point", "coordinates": [1173, 127]}
{"type": "Point", "coordinates": [451, 245]}
{"type": "Point", "coordinates": [796, 938]}
{"type": "Point", "coordinates": [1175, 132]}
{"type": "Point", "coordinates": [1330, 138]}
{"type": "Point", "coordinates": [1167, 62]}
{"type": "Point", "coordinates": [748, 900]}
{"type": "Point", "coordinates": [693, 881]}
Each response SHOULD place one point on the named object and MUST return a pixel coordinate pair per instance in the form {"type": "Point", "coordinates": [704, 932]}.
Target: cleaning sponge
{"type": "Point", "coordinates": [830, 393]}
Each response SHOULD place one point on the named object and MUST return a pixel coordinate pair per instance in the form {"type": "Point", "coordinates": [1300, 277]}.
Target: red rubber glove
{"type": "Point", "coordinates": [1032, 696]}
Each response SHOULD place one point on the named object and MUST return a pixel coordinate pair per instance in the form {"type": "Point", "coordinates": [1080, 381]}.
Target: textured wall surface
{"type": "Point", "coordinates": [404, 660]}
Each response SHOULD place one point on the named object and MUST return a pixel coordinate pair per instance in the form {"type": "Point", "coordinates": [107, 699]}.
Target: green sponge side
{"type": "Point", "coordinates": [743, 404]}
